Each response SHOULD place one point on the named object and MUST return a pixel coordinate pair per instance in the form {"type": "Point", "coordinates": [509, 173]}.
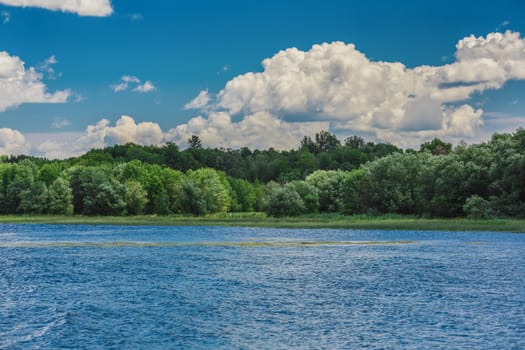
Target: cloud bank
{"type": "Point", "coordinates": [332, 86]}
{"type": "Point", "coordinates": [338, 84]}
{"type": "Point", "coordinates": [259, 130]}
{"type": "Point", "coordinates": [97, 8]}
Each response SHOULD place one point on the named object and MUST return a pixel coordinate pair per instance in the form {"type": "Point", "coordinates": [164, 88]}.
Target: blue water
{"type": "Point", "coordinates": [90, 287]}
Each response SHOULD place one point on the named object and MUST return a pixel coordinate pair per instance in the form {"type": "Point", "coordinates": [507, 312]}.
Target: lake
{"type": "Point", "coordinates": [89, 287]}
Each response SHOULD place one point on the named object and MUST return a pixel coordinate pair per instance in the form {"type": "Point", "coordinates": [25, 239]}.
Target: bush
{"type": "Point", "coordinates": [477, 208]}
{"type": "Point", "coordinates": [308, 194]}
{"type": "Point", "coordinates": [284, 201]}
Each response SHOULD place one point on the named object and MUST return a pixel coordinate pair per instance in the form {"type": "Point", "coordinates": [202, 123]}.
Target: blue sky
{"type": "Point", "coordinates": [183, 48]}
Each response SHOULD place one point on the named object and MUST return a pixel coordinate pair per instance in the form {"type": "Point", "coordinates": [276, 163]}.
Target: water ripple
{"type": "Point", "coordinates": [240, 288]}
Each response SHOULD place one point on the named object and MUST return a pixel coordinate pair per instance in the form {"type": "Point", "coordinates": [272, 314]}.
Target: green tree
{"type": "Point", "coordinates": [477, 208]}
{"type": "Point", "coordinates": [97, 192]}
{"type": "Point", "coordinates": [355, 142]}
{"type": "Point", "coordinates": [49, 172]}
{"type": "Point", "coordinates": [135, 197]}
{"type": "Point", "coordinates": [308, 194]}
{"type": "Point", "coordinates": [34, 198]}
{"type": "Point", "coordinates": [172, 157]}
{"type": "Point", "coordinates": [393, 184]}
{"type": "Point", "coordinates": [284, 201]}
{"type": "Point", "coordinates": [324, 142]}
{"type": "Point", "coordinates": [436, 147]}
{"type": "Point", "coordinates": [192, 200]}
{"type": "Point", "coordinates": [20, 179]}
{"type": "Point", "coordinates": [243, 195]}
{"type": "Point", "coordinates": [215, 189]}
{"type": "Point", "coordinates": [329, 184]}
{"type": "Point", "coordinates": [354, 192]}
{"type": "Point", "coordinates": [60, 198]}
{"type": "Point", "coordinates": [194, 142]}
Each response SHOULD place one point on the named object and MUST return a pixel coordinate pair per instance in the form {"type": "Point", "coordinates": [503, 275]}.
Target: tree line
{"type": "Point", "coordinates": [322, 176]}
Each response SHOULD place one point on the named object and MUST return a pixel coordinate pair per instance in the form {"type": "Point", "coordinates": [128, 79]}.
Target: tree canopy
{"type": "Point", "coordinates": [322, 175]}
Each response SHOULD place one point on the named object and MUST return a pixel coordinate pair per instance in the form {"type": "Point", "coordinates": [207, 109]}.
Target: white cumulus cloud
{"type": "Point", "coordinates": [20, 85]}
{"type": "Point", "coordinates": [200, 101]}
{"type": "Point", "coordinates": [332, 86]}
{"type": "Point", "coordinates": [259, 130]}
{"type": "Point", "coordinates": [97, 8]}
{"type": "Point", "coordinates": [12, 142]}
{"type": "Point", "coordinates": [103, 134]}
{"type": "Point", "coordinates": [336, 83]}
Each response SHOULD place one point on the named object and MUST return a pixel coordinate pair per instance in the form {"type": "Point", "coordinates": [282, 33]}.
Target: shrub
{"type": "Point", "coordinates": [477, 208]}
{"type": "Point", "coordinates": [284, 201]}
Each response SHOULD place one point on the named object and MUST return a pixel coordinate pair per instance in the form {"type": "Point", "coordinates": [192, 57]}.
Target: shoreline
{"type": "Point", "coordinates": [260, 220]}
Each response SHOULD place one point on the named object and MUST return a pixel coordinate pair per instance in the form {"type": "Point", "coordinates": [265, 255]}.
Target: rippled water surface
{"type": "Point", "coordinates": [88, 287]}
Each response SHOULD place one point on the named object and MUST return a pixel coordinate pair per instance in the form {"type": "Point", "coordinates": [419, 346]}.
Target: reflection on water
{"type": "Point", "coordinates": [242, 288]}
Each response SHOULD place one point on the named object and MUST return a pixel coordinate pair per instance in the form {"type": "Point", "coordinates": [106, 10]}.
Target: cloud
{"type": "Point", "coordinates": [12, 142]}
{"type": "Point", "coordinates": [336, 83]}
{"type": "Point", "coordinates": [102, 134]}
{"type": "Point", "coordinates": [200, 101]}
{"type": "Point", "coordinates": [503, 24]}
{"type": "Point", "coordinates": [20, 85]}
{"type": "Point", "coordinates": [259, 130]}
{"type": "Point", "coordinates": [145, 88]}
{"type": "Point", "coordinates": [60, 123]}
{"type": "Point", "coordinates": [47, 67]}
{"type": "Point", "coordinates": [136, 16]}
{"type": "Point", "coordinates": [5, 17]}
{"type": "Point", "coordinates": [128, 80]}
{"type": "Point", "coordinates": [335, 87]}
{"type": "Point", "coordinates": [126, 130]}
{"type": "Point", "coordinates": [97, 8]}
{"type": "Point", "coordinates": [119, 87]}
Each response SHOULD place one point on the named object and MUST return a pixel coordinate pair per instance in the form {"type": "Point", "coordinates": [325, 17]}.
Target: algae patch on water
{"type": "Point", "coordinates": [250, 244]}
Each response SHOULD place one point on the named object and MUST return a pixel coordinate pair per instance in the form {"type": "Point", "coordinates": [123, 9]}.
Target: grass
{"type": "Point", "coordinates": [388, 222]}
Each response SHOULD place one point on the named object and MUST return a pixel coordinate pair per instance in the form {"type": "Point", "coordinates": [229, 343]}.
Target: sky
{"type": "Point", "coordinates": [76, 75]}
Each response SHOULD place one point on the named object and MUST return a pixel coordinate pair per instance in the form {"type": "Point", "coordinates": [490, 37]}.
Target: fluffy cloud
{"type": "Point", "coordinates": [259, 130]}
{"type": "Point", "coordinates": [60, 123]}
{"type": "Point", "coordinates": [331, 86]}
{"type": "Point", "coordinates": [20, 85]}
{"type": "Point", "coordinates": [103, 134]}
{"type": "Point", "coordinates": [128, 80]}
{"type": "Point", "coordinates": [200, 101]}
{"type": "Point", "coordinates": [336, 83]}
{"type": "Point", "coordinates": [12, 142]}
{"type": "Point", "coordinates": [98, 8]}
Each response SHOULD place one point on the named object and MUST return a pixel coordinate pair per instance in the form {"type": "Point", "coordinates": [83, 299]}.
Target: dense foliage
{"type": "Point", "coordinates": [322, 175]}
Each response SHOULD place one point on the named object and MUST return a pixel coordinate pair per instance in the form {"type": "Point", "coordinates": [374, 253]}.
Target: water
{"type": "Point", "coordinates": [90, 287]}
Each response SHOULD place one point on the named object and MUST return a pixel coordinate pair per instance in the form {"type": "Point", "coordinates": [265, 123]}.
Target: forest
{"type": "Point", "coordinates": [323, 175]}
